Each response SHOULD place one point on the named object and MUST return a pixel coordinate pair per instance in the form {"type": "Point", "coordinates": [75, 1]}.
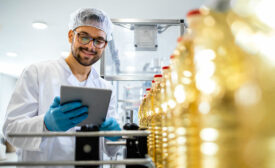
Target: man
{"type": "Point", "coordinates": [35, 104]}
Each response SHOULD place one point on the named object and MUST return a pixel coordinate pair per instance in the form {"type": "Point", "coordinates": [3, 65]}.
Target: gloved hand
{"type": "Point", "coordinates": [63, 117]}
{"type": "Point", "coordinates": [110, 124]}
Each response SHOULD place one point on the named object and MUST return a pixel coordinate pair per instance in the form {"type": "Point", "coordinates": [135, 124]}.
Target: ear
{"type": "Point", "coordinates": [105, 45]}
{"type": "Point", "coordinates": [70, 36]}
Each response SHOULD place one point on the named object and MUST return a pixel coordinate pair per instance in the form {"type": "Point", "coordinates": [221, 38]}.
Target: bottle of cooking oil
{"type": "Point", "coordinates": [171, 104]}
{"type": "Point", "coordinates": [141, 114]}
{"type": "Point", "coordinates": [252, 24]}
{"type": "Point", "coordinates": [156, 120]}
{"type": "Point", "coordinates": [184, 142]}
{"type": "Point", "coordinates": [219, 125]}
{"type": "Point", "coordinates": [185, 114]}
{"type": "Point", "coordinates": [150, 138]}
{"type": "Point", "coordinates": [149, 89]}
{"type": "Point", "coordinates": [146, 109]}
{"type": "Point", "coordinates": [221, 70]}
{"type": "Point", "coordinates": [165, 95]}
{"type": "Point", "coordinates": [160, 98]}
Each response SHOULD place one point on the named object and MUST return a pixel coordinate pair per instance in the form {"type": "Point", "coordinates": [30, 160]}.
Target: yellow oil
{"type": "Point", "coordinates": [254, 31]}
{"type": "Point", "coordinates": [171, 105]}
{"type": "Point", "coordinates": [155, 131]}
{"type": "Point", "coordinates": [165, 86]}
{"type": "Point", "coordinates": [142, 114]}
{"type": "Point", "coordinates": [235, 90]}
{"type": "Point", "coordinates": [149, 113]}
{"type": "Point", "coordinates": [185, 115]}
{"type": "Point", "coordinates": [219, 73]}
{"type": "Point", "coordinates": [216, 102]}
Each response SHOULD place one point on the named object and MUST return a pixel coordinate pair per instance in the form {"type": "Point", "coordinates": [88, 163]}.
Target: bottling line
{"type": "Point", "coordinates": [206, 103]}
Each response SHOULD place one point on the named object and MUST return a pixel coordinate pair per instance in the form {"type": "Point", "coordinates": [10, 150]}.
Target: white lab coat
{"type": "Point", "coordinates": [34, 93]}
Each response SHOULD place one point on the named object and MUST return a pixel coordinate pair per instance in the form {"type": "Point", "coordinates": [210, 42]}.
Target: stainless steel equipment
{"type": "Point", "coordinates": [146, 162]}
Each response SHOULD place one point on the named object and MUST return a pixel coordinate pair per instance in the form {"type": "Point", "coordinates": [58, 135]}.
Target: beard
{"type": "Point", "coordinates": [85, 61]}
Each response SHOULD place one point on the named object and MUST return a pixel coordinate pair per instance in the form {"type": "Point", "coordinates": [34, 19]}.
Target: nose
{"type": "Point", "coordinates": [90, 45]}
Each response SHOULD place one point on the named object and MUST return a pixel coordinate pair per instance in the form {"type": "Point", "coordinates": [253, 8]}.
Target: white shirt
{"type": "Point", "coordinates": [34, 93]}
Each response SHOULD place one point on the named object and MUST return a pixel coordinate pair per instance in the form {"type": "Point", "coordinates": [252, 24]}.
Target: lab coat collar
{"type": "Point", "coordinates": [93, 75]}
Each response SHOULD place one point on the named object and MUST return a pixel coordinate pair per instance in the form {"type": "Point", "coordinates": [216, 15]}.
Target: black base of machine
{"type": "Point", "coordinates": [136, 146]}
{"type": "Point", "coordinates": [87, 148]}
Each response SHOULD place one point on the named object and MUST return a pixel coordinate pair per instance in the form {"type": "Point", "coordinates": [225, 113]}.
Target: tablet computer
{"type": "Point", "coordinates": [96, 99]}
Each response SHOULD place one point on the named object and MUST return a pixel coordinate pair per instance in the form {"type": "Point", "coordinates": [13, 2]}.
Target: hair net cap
{"type": "Point", "coordinates": [91, 17]}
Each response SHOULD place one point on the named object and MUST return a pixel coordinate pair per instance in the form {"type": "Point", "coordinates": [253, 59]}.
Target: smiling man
{"type": "Point", "coordinates": [35, 104]}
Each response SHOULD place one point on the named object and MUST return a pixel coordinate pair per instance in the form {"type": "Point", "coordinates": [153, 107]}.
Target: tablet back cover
{"type": "Point", "coordinates": [96, 99]}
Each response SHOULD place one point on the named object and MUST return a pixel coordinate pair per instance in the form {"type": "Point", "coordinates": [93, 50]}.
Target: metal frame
{"type": "Point", "coordinates": [82, 134]}
{"type": "Point", "coordinates": [147, 162]}
{"type": "Point", "coordinates": [147, 21]}
{"type": "Point", "coordinates": [116, 143]}
{"type": "Point", "coordinates": [102, 65]}
{"type": "Point", "coordinates": [129, 78]}
{"type": "Point", "coordinates": [172, 22]}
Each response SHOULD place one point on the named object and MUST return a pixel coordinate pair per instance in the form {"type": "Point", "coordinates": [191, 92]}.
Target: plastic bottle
{"type": "Point", "coordinates": [151, 139]}
{"type": "Point", "coordinates": [252, 25]}
{"type": "Point", "coordinates": [220, 72]}
{"type": "Point", "coordinates": [149, 112]}
{"type": "Point", "coordinates": [141, 113]}
{"type": "Point", "coordinates": [168, 121]}
{"type": "Point", "coordinates": [165, 94]}
{"type": "Point", "coordinates": [156, 120]}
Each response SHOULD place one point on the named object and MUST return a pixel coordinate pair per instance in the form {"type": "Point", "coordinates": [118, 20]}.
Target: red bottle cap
{"type": "Point", "coordinates": [172, 57]}
{"type": "Point", "coordinates": [148, 89]}
{"type": "Point", "coordinates": [193, 12]}
{"type": "Point", "coordinates": [166, 67]}
{"type": "Point", "coordinates": [158, 76]}
{"type": "Point", "coordinates": [180, 39]}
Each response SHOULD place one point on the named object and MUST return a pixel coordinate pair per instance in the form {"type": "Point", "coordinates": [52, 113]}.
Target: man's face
{"type": "Point", "coordinates": [86, 54]}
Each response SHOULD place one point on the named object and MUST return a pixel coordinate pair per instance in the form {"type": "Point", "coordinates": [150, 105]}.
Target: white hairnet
{"type": "Point", "coordinates": [91, 17]}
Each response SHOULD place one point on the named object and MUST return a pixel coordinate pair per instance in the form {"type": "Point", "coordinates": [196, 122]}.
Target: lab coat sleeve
{"type": "Point", "coordinates": [111, 150]}
{"type": "Point", "coordinates": [22, 112]}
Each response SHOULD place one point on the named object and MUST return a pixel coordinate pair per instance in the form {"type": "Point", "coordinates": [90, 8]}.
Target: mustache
{"type": "Point", "coordinates": [86, 49]}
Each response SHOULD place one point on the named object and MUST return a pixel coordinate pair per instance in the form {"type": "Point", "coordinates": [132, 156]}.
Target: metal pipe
{"type": "Point", "coordinates": [146, 21]}
{"type": "Point", "coordinates": [116, 143]}
{"type": "Point", "coordinates": [182, 28]}
{"type": "Point", "coordinates": [131, 116]}
{"type": "Point", "coordinates": [80, 163]}
{"type": "Point", "coordinates": [129, 77]}
{"type": "Point", "coordinates": [102, 65]}
{"type": "Point", "coordinates": [82, 134]}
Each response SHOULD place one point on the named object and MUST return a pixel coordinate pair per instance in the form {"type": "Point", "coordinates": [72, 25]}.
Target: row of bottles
{"type": "Point", "coordinates": [213, 106]}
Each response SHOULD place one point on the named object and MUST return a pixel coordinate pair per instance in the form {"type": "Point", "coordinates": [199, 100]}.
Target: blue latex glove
{"type": "Point", "coordinates": [63, 117]}
{"type": "Point", "coordinates": [110, 124]}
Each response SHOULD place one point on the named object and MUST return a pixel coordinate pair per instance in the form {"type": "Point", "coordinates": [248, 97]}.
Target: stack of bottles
{"type": "Point", "coordinates": [213, 106]}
